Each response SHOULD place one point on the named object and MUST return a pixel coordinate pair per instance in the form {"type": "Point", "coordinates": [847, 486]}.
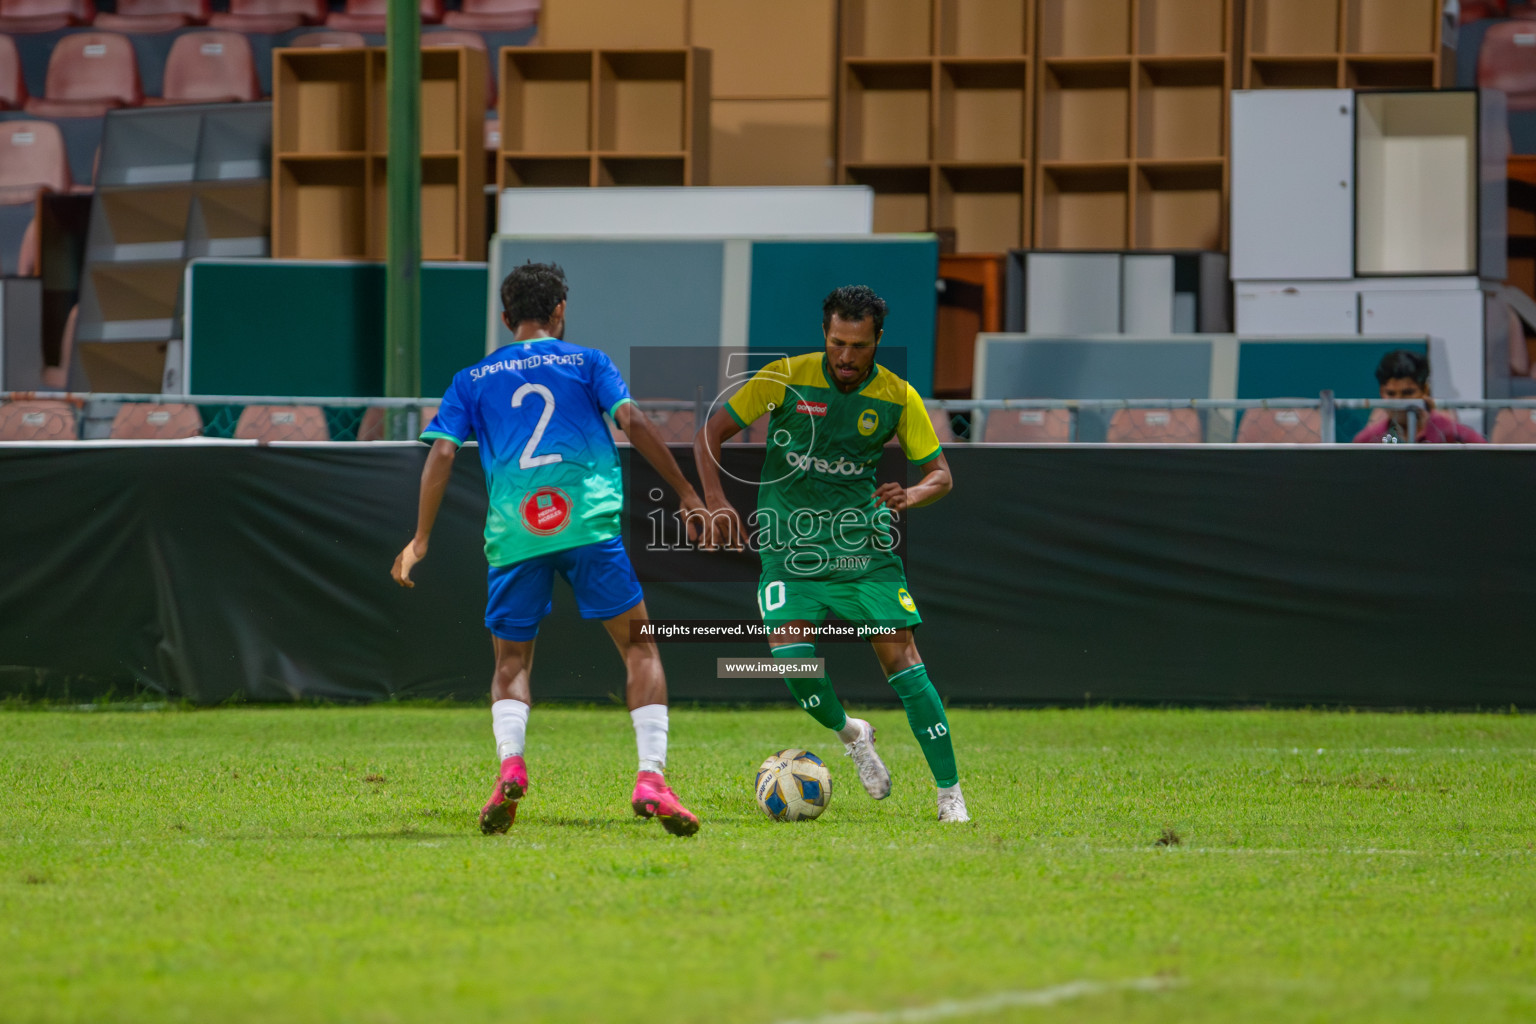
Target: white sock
{"type": "Point", "coordinates": [955, 789]}
{"type": "Point", "coordinates": [509, 721]}
{"type": "Point", "coordinates": [651, 736]}
{"type": "Point", "coordinates": [851, 730]}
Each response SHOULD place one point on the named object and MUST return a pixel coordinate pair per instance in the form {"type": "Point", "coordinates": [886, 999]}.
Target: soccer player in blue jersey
{"type": "Point", "coordinates": [536, 408]}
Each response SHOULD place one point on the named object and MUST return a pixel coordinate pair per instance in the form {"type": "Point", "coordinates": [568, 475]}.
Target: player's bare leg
{"type": "Point", "coordinates": [905, 671]}
{"type": "Point", "coordinates": [819, 700]}
{"type": "Point", "coordinates": [646, 693]}
{"type": "Point", "coordinates": [511, 697]}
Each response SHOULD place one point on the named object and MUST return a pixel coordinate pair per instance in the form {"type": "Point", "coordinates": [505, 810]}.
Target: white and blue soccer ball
{"type": "Point", "coordinates": [793, 785]}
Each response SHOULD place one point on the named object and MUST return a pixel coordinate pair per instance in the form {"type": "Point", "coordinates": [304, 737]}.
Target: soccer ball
{"type": "Point", "coordinates": [793, 785]}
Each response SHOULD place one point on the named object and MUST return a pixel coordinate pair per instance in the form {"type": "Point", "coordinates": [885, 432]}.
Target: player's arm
{"type": "Point", "coordinates": [723, 523]}
{"type": "Point", "coordinates": [936, 483]}
{"type": "Point", "coordinates": [915, 433]}
{"type": "Point", "coordinates": [434, 484]}
{"type": "Point", "coordinates": [642, 433]}
{"type": "Point", "coordinates": [756, 398]}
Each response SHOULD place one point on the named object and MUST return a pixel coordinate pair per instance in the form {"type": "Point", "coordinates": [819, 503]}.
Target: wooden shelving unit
{"type": "Point", "coordinates": [1338, 44]}
{"type": "Point", "coordinates": [331, 141]}
{"type": "Point", "coordinates": [575, 118]}
{"type": "Point", "coordinates": [936, 100]}
{"type": "Point", "coordinates": [1131, 123]}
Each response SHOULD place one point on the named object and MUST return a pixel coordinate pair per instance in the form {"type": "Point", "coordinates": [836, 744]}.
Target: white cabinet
{"type": "Point", "coordinates": [1297, 311]}
{"type": "Point", "coordinates": [1453, 318]}
{"type": "Point", "coordinates": [1431, 166]}
{"type": "Point", "coordinates": [1330, 185]}
{"type": "Point", "coordinates": [1293, 175]}
{"type": "Point", "coordinates": [1148, 299]}
{"type": "Point", "coordinates": [1071, 293]}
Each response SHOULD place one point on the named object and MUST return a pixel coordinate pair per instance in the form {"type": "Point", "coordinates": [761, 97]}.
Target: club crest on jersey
{"type": "Point", "coordinates": [811, 408]}
{"type": "Point", "coordinates": [869, 420]}
{"type": "Point", "coordinates": [546, 511]}
{"type": "Point", "coordinates": [906, 600]}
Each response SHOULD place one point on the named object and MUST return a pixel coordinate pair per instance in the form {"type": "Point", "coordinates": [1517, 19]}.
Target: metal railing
{"type": "Point", "coordinates": [1219, 415]}
{"type": "Point", "coordinates": [265, 418]}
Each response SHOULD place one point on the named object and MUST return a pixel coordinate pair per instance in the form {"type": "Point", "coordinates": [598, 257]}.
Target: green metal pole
{"type": "Point", "coordinates": [402, 321]}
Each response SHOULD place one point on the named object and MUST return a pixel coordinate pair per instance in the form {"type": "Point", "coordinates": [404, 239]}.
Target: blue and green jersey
{"type": "Point", "coordinates": [551, 468]}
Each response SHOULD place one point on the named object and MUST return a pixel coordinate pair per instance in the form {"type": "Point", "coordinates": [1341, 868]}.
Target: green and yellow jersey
{"type": "Point", "coordinates": [816, 512]}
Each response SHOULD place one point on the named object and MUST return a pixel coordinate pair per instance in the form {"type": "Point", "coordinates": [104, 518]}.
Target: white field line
{"type": "Point", "coordinates": [1366, 851]}
{"type": "Point", "coordinates": [991, 1004]}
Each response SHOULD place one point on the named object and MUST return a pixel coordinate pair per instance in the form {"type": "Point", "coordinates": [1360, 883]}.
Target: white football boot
{"type": "Point", "coordinates": [872, 770]}
{"type": "Point", "coordinates": [952, 804]}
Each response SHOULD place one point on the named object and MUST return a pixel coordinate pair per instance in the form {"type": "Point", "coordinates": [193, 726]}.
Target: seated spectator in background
{"type": "Point", "coordinates": [1404, 375]}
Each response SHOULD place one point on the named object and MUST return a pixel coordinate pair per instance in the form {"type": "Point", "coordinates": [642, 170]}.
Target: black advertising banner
{"type": "Point", "coordinates": [1365, 577]}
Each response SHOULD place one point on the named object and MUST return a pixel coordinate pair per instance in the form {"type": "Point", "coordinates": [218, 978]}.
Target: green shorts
{"type": "Point", "coordinates": [868, 602]}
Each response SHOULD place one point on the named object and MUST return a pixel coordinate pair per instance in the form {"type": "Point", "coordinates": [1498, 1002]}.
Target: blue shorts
{"type": "Point", "coordinates": [521, 594]}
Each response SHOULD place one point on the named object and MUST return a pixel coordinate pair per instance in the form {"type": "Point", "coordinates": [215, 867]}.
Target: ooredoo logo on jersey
{"type": "Point", "coordinates": [811, 408]}
{"type": "Point", "coordinates": [546, 511]}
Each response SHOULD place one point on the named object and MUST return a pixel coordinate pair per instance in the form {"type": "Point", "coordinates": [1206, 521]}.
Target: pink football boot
{"type": "Point", "coordinates": [654, 798]}
{"type": "Point", "coordinates": [499, 811]}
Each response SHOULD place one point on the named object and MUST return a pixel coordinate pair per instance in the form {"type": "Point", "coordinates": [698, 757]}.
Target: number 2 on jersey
{"type": "Point", "coordinates": [530, 460]}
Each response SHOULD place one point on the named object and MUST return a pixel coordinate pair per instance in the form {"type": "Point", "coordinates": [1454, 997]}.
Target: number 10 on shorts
{"type": "Point", "coordinates": [771, 598]}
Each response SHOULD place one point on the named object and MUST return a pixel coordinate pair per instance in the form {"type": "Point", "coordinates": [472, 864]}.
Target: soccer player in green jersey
{"type": "Point", "coordinates": [824, 528]}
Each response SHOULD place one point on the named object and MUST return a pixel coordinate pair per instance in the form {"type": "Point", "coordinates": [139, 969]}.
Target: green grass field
{"type": "Point", "coordinates": [320, 864]}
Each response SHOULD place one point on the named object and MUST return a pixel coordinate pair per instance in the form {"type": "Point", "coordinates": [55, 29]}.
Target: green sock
{"type": "Point", "coordinates": [815, 695]}
{"type": "Point", "coordinates": [925, 714]}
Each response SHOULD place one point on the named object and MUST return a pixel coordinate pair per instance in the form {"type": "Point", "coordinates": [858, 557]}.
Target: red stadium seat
{"type": "Point", "coordinates": [27, 262]}
{"type": "Point", "coordinates": [13, 86]}
{"type": "Point", "coordinates": [211, 67]}
{"type": "Point", "coordinates": [38, 421]}
{"type": "Point", "coordinates": [271, 16]}
{"type": "Point", "coordinates": [1514, 426]}
{"type": "Point", "coordinates": [1028, 426]}
{"type": "Point", "coordinates": [1155, 426]}
{"type": "Point", "coordinates": [88, 75]}
{"type": "Point", "coordinates": [329, 40]}
{"type": "Point", "coordinates": [144, 421]}
{"type": "Point", "coordinates": [1507, 62]}
{"type": "Point", "coordinates": [494, 15]}
{"type": "Point", "coordinates": [267, 423]}
{"type": "Point", "coordinates": [1477, 10]}
{"type": "Point", "coordinates": [474, 41]}
{"type": "Point", "coordinates": [20, 16]}
{"type": "Point", "coordinates": [32, 157]}
{"type": "Point", "coordinates": [1280, 426]}
{"type": "Point", "coordinates": [154, 15]}
{"type": "Point", "coordinates": [368, 15]}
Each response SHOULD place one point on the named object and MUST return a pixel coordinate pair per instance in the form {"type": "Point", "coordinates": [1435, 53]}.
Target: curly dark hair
{"type": "Point", "coordinates": [1403, 364]}
{"type": "Point", "coordinates": [854, 302]}
{"type": "Point", "coordinates": [532, 291]}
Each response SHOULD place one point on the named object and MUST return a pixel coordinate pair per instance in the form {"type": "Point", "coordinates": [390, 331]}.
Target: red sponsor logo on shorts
{"type": "Point", "coordinates": [546, 510]}
{"type": "Point", "coordinates": [811, 408]}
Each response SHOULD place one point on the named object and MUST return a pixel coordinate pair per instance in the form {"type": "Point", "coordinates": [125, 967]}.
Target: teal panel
{"type": "Point", "coordinates": [1032, 366]}
{"type": "Point", "coordinates": [791, 278]}
{"type": "Point", "coordinates": [452, 322]}
{"type": "Point", "coordinates": [278, 327]}
{"type": "Point", "coordinates": [1305, 369]}
{"type": "Point", "coordinates": [269, 327]}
